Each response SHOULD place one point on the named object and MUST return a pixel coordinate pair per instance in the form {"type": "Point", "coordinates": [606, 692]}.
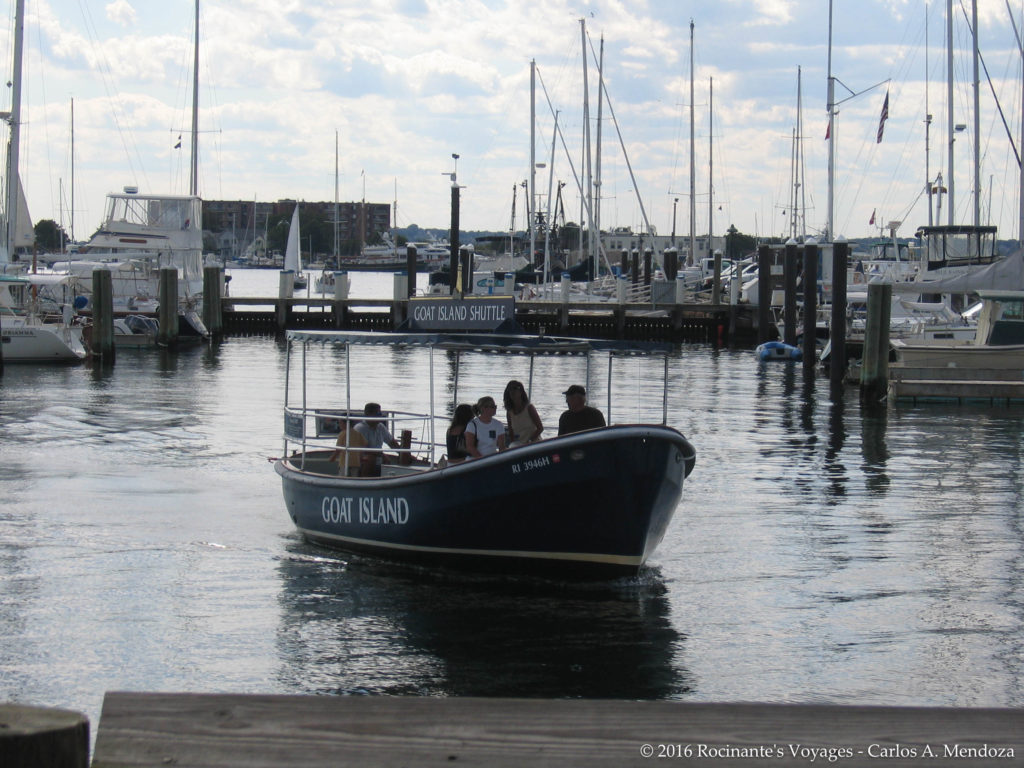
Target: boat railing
{"type": "Point", "coordinates": [309, 430]}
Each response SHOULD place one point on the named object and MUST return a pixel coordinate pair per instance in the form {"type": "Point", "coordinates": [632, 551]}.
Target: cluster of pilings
{"type": "Point", "coordinates": [875, 362]}
{"type": "Point", "coordinates": [102, 345]}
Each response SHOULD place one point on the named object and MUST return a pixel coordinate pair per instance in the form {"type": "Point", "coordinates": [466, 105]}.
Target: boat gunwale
{"type": "Point", "coordinates": [285, 465]}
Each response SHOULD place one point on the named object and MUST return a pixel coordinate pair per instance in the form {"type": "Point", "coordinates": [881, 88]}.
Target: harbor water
{"type": "Point", "coordinates": [822, 551]}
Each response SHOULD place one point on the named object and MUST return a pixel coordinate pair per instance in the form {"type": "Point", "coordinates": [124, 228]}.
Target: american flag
{"type": "Point", "coordinates": [885, 116]}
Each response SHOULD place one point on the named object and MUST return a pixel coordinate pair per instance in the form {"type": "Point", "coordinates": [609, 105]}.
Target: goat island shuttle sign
{"type": "Point", "coordinates": [472, 313]}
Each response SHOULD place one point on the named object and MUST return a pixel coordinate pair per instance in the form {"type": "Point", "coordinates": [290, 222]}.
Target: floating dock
{"type": "Point", "coordinates": [958, 385]}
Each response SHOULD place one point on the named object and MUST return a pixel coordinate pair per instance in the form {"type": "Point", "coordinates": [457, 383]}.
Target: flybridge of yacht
{"type": "Point", "coordinates": [153, 212]}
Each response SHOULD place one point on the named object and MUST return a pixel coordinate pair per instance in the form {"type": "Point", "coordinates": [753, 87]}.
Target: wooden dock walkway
{"type": "Point", "coordinates": [160, 729]}
{"type": "Point", "coordinates": [696, 322]}
{"type": "Point", "coordinates": [257, 731]}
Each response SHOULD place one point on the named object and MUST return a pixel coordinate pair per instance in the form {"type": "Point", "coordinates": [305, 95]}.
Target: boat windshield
{"type": "Point", "coordinates": [154, 212]}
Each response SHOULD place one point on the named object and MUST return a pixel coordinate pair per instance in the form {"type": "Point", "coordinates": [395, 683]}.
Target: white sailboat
{"type": "Point", "coordinates": [143, 233]}
{"type": "Point", "coordinates": [26, 334]}
{"type": "Point", "coordinates": [293, 253]}
{"type": "Point", "coordinates": [29, 334]}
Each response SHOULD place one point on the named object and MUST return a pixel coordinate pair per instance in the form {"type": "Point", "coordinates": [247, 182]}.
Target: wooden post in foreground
{"type": "Point", "coordinates": [35, 736]}
{"type": "Point", "coordinates": [874, 372]}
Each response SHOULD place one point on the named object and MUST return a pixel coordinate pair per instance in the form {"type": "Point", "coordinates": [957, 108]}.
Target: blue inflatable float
{"type": "Point", "coordinates": [776, 350]}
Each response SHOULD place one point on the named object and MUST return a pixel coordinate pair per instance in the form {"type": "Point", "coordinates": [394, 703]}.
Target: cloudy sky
{"type": "Point", "coordinates": [405, 84]}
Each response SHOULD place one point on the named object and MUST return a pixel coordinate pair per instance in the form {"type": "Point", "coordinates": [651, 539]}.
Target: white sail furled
{"type": "Point", "coordinates": [292, 254]}
{"type": "Point", "coordinates": [24, 231]}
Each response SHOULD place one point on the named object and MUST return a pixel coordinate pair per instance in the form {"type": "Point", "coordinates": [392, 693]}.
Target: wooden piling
{"type": "Point", "coordinates": [648, 265]}
{"type": "Point", "coordinates": [401, 302]}
{"type": "Point", "coordinates": [789, 295]}
{"type": "Point", "coordinates": [339, 307]}
{"type": "Point", "coordinates": [466, 265]}
{"type": "Point", "coordinates": [410, 270]}
{"type": "Point", "coordinates": [671, 263]}
{"type": "Point", "coordinates": [213, 315]}
{"type": "Point", "coordinates": [285, 291]}
{"type": "Point", "coordinates": [764, 294]}
{"type": "Point", "coordinates": [167, 334]}
{"type": "Point", "coordinates": [38, 736]}
{"type": "Point", "coordinates": [810, 304]}
{"type": "Point", "coordinates": [874, 371]}
{"type": "Point", "coordinates": [837, 323]}
{"type": "Point", "coordinates": [716, 281]}
{"type": "Point", "coordinates": [103, 315]}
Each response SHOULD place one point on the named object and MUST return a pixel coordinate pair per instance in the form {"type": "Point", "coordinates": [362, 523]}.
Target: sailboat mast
{"type": "Point", "coordinates": [335, 199]}
{"type": "Point", "coordinates": [589, 195]}
{"type": "Point", "coordinates": [711, 160]}
{"type": "Point", "coordinates": [693, 158]}
{"type": "Point", "coordinates": [927, 125]}
{"type": "Point", "coordinates": [950, 181]}
{"type": "Point", "coordinates": [533, 159]}
{"type": "Point", "coordinates": [193, 184]}
{"type": "Point", "coordinates": [14, 118]}
{"type": "Point", "coordinates": [72, 169]}
{"type": "Point", "coordinates": [831, 130]}
{"type": "Point", "coordinates": [597, 154]}
{"type": "Point", "coordinates": [550, 221]}
{"type": "Point", "coordinates": [977, 115]}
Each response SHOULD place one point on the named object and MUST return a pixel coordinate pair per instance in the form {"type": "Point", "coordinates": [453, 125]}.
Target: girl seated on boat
{"type": "Point", "coordinates": [485, 434]}
{"type": "Point", "coordinates": [524, 424]}
{"type": "Point", "coordinates": [456, 435]}
{"type": "Point", "coordinates": [348, 453]}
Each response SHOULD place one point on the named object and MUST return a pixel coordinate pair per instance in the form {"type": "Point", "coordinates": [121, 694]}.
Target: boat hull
{"type": "Point", "coordinates": [980, 356]}
{"type": "Point", "coordinates": [594, 504]}
{"type": "Point", "coordinates": [26, 342]}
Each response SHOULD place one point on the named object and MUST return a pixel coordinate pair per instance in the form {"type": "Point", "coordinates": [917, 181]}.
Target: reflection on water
{"type": "Point", "coordinates": [359, 625]}
{"type": "Point", "coordinates": [823, 551]}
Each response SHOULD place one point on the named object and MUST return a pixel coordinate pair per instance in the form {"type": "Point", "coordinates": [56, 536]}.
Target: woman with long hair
{"type": "Point", "coordinates": [456, 435]}
{"type": "Point", "coordinates": [524, 422]}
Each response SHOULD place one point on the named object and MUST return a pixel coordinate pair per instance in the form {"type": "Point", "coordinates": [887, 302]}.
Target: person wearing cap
{"type": "Point", "coordinates": [579, 415]}
{"type": "Point", "coordinates": [376, 434]}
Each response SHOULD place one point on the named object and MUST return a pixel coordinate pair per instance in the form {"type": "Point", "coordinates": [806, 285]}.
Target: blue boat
{"type": "Point", "coordinates": [777, 350]}
{"type": "Point", "coordinates": [593, 504]}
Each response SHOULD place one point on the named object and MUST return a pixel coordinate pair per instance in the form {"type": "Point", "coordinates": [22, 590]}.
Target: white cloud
{"type": "Point", "coordinates": [121, 12]}
{"type": "Point", "coordinates": [408, 83]}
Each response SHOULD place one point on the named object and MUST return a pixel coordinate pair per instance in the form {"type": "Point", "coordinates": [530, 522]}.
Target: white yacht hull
{"type": "Point", "coordinates": [39, 342]}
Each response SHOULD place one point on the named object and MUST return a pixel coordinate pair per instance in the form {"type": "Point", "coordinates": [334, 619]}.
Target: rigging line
{"type": "Point", "coordinates": [105, 71]}
{"type": "Point", "coordinates": [992, 88]}
{"type": "Point", "coordinates": [622, 143]}
{"type": "Point", "coordinates": [572, 167]}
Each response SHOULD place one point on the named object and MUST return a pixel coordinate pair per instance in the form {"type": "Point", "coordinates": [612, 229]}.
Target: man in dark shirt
{"type": "Point", "coordinates": [580, 416]}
